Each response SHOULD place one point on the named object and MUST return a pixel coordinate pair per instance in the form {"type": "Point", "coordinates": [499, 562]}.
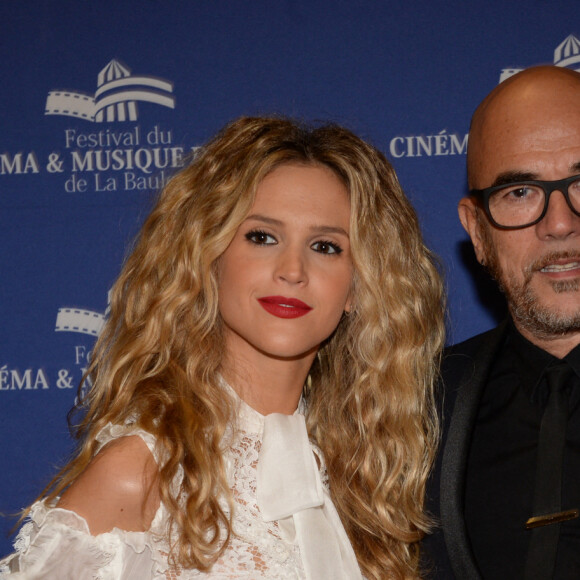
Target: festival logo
{"type": "Point", "coordinates": [109, 158]}
{"type": "Point", "coordinates": [566, 54]}
{"type": "Point", "coordinates": [80, 321]}
{"type": "Point", "coordinates": [115, 99]}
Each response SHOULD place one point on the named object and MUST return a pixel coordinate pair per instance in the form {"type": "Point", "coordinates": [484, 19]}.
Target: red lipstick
{"type": "Point", "coordinates": [283, 307]}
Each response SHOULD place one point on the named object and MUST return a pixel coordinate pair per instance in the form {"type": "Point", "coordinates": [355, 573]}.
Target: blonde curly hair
{"type": "Point", "coordinates": [370, 391]}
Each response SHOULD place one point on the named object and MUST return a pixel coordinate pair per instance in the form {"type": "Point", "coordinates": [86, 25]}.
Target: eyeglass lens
{"type": "Point", "coordinates": [522, 204]}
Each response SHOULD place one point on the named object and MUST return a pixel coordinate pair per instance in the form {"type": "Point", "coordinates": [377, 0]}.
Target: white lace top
{"type": "Point", "coordinates": [297, 533]}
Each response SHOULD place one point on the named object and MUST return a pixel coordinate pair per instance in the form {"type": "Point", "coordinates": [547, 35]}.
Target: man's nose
{"type": "Point", "coordinates": [560, 221]}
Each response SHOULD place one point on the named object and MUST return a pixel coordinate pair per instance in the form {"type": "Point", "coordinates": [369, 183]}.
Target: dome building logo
{"type": "Point", "coordinates": [115, 99]}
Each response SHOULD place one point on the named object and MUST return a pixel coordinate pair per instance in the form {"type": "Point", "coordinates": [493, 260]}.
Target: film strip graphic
{"type": "Point", "coordinates": [78, 320]}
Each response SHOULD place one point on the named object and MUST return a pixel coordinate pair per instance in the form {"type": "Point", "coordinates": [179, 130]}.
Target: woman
{"type": "Point", "coordinates": [262, 392]}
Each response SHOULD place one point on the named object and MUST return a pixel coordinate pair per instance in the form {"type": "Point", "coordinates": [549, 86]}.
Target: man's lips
{"type": "Point", "coordinates": [564, 267]}
{"type": "Point", "coordinates": [283, 307]}
{"type": "Point", "coordinates": [559, 264]}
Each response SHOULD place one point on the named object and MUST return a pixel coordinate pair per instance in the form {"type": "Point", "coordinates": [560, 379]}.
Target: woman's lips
{"type": "Point", "coordinates": [283, 307]}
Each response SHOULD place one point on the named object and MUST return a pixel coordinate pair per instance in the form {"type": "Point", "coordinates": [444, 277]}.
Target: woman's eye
{"type": "Point", "coordinates": [326, 248]}
{"type": "Point", "coordinates": [260, 238]}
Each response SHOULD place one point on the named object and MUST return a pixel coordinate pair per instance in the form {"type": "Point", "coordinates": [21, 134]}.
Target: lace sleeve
{"type": "Point", "coordinates": [55, 544]}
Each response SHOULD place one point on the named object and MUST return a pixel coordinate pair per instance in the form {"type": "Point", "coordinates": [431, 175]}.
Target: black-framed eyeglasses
{"type": "Point", "coordinates": [524, 203]}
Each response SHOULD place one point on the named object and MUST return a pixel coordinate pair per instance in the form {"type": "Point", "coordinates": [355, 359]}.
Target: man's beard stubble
{"type": "Point", "coordinates": [524, 304]}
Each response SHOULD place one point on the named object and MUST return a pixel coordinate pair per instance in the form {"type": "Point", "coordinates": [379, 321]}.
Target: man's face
{"type": "Point", "coordinates": [534, 134]}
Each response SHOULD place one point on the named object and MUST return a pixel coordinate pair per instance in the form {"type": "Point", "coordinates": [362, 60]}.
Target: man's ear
{"type": "Point", "coordinates": [467, 210]}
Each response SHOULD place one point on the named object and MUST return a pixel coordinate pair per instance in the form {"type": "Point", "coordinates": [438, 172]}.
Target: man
{"type": "Point", "coordinates": [510, 462]}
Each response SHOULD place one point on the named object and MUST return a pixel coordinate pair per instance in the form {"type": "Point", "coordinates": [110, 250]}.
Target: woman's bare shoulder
{"type": "Point", "coordinates": [118, 489]}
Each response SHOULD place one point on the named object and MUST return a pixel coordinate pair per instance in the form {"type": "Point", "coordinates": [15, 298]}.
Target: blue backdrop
{"type": "Point", "coordinates": [101, 100]}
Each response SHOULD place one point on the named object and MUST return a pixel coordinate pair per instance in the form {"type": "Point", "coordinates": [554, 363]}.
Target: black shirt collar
{"type": "Point", "coordinates": [530, 361]}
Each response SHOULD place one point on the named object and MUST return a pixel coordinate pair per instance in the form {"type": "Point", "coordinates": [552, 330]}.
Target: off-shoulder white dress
{"type": "Point", "coordinates": [285, 525]}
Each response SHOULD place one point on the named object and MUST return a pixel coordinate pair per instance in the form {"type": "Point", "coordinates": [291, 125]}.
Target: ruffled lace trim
{"type": "Point", "coordinates": [51, 536]}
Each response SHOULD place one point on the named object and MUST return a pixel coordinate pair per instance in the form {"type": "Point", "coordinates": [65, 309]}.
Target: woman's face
{"type": "Point", "coordinates": [285, 280]}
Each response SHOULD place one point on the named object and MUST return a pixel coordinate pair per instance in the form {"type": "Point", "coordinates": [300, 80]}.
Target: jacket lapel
{"type": "Point", "coordinates": [455, 453]}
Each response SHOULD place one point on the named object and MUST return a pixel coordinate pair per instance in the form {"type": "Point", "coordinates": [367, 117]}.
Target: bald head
{"type": "Point", "coordinates": [536, 110]}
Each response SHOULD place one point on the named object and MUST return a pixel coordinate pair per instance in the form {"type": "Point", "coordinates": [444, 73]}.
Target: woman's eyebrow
{"type": "Point", "coordinates": [262, 218]}
{"type": "Point", "coordinates": [330, 230]}
{"type": "Point", "coordinates": [323, 229]}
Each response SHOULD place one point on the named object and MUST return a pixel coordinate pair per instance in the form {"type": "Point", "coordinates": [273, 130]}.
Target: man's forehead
{"type": "Point", "coordinates": [532, 121]}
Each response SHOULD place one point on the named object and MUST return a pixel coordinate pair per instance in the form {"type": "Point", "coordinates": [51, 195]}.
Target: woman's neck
{"type": "Point", "coordinates": [268, 385]}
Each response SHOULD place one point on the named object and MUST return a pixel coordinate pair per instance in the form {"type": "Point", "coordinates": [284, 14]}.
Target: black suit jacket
{"type": "Point", "coordinates": [464, 372]}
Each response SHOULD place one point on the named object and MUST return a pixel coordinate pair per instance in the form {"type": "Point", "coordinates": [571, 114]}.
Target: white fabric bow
{"type": "Point", "coordinates": [289, 490]}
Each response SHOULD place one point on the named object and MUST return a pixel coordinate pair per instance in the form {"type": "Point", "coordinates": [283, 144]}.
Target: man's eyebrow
{"type": "Point", "coordinates": [508, 177]}
{"type": "Point", "coordinates": [318, 229]}
{"type": "Point", "coordinates": [517, 176]}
